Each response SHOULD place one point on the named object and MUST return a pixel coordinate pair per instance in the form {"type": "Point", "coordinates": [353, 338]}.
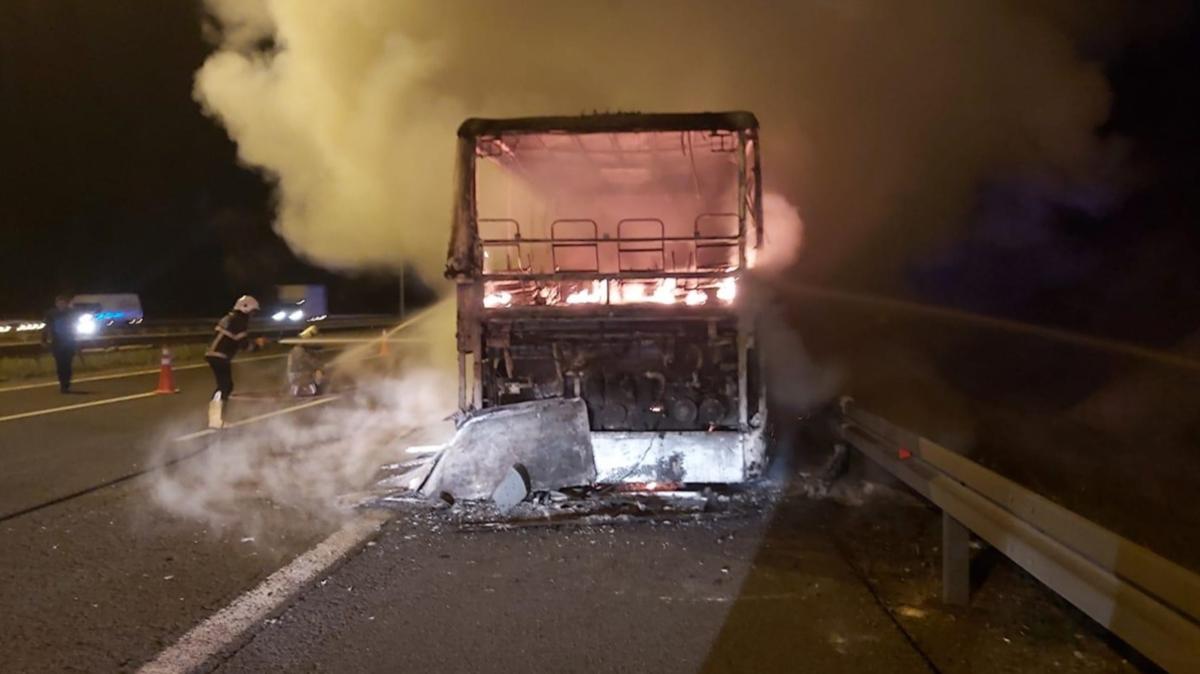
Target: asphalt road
{"type": "Point", "coordinates": [102, 578]}
{"type": "Point", "coordinates": [845, 585]}
{"type": "Point", "coordinates": [102, 581]}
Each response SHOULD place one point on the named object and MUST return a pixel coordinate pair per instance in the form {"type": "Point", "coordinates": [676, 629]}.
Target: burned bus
{"type": "Point", "coordinates": [598, 258]}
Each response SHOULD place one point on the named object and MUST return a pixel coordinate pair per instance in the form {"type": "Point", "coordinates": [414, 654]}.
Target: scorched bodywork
{"type": "Point", "coordinates": [598, 258]}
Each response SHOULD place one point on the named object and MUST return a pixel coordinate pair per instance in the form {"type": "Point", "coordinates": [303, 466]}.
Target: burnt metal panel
{"type": "Point", "coordinates": [620, 122]}
{"type": "Point", "coordinates": [465, 254]}
{"type": "Point", "coordinates": [550, 438]}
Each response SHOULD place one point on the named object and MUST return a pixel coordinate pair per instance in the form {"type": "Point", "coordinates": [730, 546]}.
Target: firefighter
{"type": "Point", "coordinates": [232, 332]}
{"type": "Point", "coordinates": [306, 375]}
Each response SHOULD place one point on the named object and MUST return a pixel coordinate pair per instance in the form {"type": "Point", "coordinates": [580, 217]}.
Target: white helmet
{"type": "Point", "coordinates": [246, 304]}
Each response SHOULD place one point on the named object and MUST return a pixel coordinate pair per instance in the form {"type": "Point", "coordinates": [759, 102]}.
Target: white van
{"type": "Point", "coordinates": [110, 309]}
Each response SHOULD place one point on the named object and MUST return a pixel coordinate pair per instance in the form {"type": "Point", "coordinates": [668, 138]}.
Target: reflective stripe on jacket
{"type": "Point", "coordinates": [232, 331]}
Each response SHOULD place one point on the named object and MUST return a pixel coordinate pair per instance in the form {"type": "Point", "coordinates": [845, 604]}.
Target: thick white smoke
{"type": "Point", "coordinates": [783, 234]}
{"type": "Point", "coordinates": [305, 463]}
{"type": "Point", "coordinates": [302, 464]}
{"type": "Point", "coordinates": [874, 115]}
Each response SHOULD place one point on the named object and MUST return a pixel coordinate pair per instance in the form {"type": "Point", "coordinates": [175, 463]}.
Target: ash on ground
{"type": "Point", "coordinates": [517, 500]}
{"type": "Point", "coordinates": [589, 506]}
{"type": "Point", "coordinates": [627, 503]}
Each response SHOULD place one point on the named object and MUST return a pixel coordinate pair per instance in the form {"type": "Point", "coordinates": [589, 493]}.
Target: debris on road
{"type": "Point", "coordinates": [550, 438]}
{"type": "Point", "coordinates": [495, 494]}
{"type": "Point", "coordinates": [513, 489]}
{"type": "Point", "coordinates": [911, 612]}
{"type": "Point", "coordinates": [532, 464]}
{"type": "Point", "coordinates": [580, 506]}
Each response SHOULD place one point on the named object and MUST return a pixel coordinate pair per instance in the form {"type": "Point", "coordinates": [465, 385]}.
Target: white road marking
{"type": "Point", "coordinates": [260, 417]}
{"type": "Point", "coordinates": [138, 373]}
{"type": "Point", "coordinates": [135, 373]}
{"type": "Point", "coordinates": [68, 408]}
{"type": "Point", "coordinates": [225, 628]}
{"type": "Point", "coordinates": [137, 396]}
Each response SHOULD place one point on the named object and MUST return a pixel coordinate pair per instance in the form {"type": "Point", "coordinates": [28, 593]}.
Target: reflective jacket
{"type": "Point", "coordinates": [232, 331]}
{"type": "Point", "coordinates": [302, 365]}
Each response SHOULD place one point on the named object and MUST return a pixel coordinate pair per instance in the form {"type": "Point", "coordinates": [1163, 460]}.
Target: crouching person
{"type": "Point", "coordinates": [306, 374]}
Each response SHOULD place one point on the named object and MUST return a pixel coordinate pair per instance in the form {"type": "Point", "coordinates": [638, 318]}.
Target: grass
{"type": "Point", "coordinates": [23, 368]}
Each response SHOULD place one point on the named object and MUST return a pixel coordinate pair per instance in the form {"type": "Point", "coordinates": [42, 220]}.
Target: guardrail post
{"type": "Point", "coordinates": [1147, 600]}
{"type": "Point", "coordinates": [956, 561]}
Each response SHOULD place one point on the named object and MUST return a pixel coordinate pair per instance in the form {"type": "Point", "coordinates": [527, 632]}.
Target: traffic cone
{"type": "Point", "coordinates": [383, 340]}
{"type": "Point", "coordinates": [166, 377]}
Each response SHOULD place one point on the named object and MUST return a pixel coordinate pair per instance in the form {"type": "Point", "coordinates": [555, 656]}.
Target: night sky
{"type": "Point", "coordinates": [1119, 258]}
{"type": "Point", "coordinates": [115, 181]}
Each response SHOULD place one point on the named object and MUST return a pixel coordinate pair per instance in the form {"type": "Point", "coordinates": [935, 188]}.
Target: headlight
{"type": "Point", "coordinates": [296, 315]}
{"type": "Point", "coordinates": [86, 325]}
{"type": "Point", "coordinates": [279, 315]}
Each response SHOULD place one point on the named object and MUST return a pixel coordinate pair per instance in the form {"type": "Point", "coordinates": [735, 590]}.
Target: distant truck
{"type": "Point", "coordinates": [598, 258]}
{"type": "Point", "coordinates": [298, 303]}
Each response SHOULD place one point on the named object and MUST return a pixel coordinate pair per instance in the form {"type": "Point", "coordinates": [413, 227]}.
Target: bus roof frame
{"type": "Point", "coordinates": [618, 122]}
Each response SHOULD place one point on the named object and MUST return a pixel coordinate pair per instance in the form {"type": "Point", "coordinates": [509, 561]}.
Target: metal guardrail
{"type": "Point", "coordinates": [1147, 600]}
{"type": "Point", "coordinates": [176, 332]}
